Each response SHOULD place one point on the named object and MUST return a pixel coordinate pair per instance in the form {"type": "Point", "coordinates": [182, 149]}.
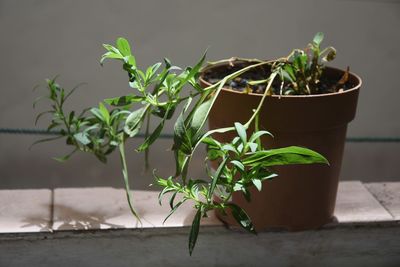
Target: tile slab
{"type": "Point", "coordinates": [356, 204]}
{"type": "Point", "coordinates": [25, 210]}
{"type": "Point", "coordinates": [388, 194]}
{"type": "Point", "coordinates": [105, 208]}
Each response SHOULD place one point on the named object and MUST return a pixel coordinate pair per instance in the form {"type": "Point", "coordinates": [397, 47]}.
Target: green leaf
{"type": "Point", "coordinates": [229, 147]}
{"type": "Point", "coordinates": [172, 199]}
{"type": "Point", "coordinates": [123, 46]}
{"type": "Point", "coordinates": [71, 117]}
{"type": "Point", "coordinates": [257, 183]}
{"type": "Point", "coordinates": [216, 176]}
{"type": "Point", "coordinates": [164, 112]}
{"type": "Point", "coordinates": [238, 164]}
{"type": "Point", "coordinates": [211, 142]}
{"type": "Point", "coordinates": [270, 176]}
{"type": "Point", "coordinates": [66, 157]}
{"type": "Point", "coordinates": [289, 70]}
{"type": "Point", "coordinates": [131, 60]}
{"type": "Point", "coordinates": [194, 230]}
{"type": "Point", "coordinates": [111, 55]}
{"type": "Point", "coordinates": [160, 181]}
{"type": "Point", "coordinates": [111, 48]}
{"type": "Point", "coordinates": [151, 72]}
{"type": "Point", "coordinates": [318, 38]}
{"type": "Point", "coordinates": [73, 90]}
{"type": "Point", "coordinates": [97, 113]}
{"type": "Point", "coordinates": [241, 130]}
{"type": "Point", "coordinates": [180, 161]}
{"type": "Point", "coordinates": [45, 140]}
{"type": "Point", "coordinates": [182, 140]}
{"type": "Point", "coordinates": [241, 217]}
{"type": "Point", "coordinates": [163, 192]}
{"type": "Point", "coordinates": [253, 147]}
{"type": "Point", "coordinates": [38, 99]}
{"type": "Point", "coordinates": [41, 114]}
{"type": "Point", "coordinates": [258, 134]}
{"type": "Point", "coordinates": [193, 72]}
{"type": "Point", "coordinates": [123, 100]}
{"type": "Point", "coordinates": [153, 137]}
{"type": "Point", "coordinates": [174, 209]}
{"type": "Point", "coordinates": [284, 156]}
{"type": "Point", "coordinates": [213, 154]}
{"type": "Point", "coordinates": [104, 113]}
{"type": "Point", "coordinates": [53, 125]}
{"type": "Point", "coordinates": [134, 121]}
{"type": "Point", "coordinates": [82, 138]}
{"type": "Point", "coordinates": [200, 117]}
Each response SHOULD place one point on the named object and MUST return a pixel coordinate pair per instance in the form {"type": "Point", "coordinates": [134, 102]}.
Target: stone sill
{"type": "Point", "coordinates": [97, 222]}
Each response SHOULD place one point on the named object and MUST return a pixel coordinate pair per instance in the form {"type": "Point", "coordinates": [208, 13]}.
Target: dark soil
{"type": "Point", "coordinates": [260, 73]}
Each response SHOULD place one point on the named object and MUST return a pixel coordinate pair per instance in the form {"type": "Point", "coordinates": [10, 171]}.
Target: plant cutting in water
{"type": "Point", "coordinates": [158, 92]}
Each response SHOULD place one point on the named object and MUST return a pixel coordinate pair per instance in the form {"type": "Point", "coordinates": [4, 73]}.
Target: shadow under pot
{"type": "Point", "coordinates": [302, 196]}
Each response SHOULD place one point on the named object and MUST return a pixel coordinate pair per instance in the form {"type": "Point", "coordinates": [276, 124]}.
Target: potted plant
{"type": "Point", "coordinates": [308, 105]}
{"type": "Point", "coordinates": [157, 92]}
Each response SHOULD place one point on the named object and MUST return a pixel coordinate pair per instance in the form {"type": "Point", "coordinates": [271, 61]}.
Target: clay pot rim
{"type": "Point", "coordinates": [357, 87]}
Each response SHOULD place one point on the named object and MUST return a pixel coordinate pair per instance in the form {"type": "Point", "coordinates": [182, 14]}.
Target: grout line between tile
{"type": "Point", "coordinates": [373, 195]}
{"type": "Point", "coordinates": [51, 222]}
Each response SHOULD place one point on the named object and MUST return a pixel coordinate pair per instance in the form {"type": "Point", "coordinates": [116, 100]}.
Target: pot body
{"type": "Point", "coordinates": [302, 196]}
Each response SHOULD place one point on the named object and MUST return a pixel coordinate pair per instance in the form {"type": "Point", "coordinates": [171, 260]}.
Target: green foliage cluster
{"type": "Point", "coordinates": [300, 72]}
{"type": "Point", "coordinates": [157, 92]}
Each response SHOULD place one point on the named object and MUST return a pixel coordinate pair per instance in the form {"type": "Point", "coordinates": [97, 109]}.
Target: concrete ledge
{"type": "Point", "coordinates": [93, 227]}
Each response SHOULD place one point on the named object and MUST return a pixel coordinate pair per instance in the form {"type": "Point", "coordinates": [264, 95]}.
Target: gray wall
{"type": "Point", "coordinates": [39, 39]}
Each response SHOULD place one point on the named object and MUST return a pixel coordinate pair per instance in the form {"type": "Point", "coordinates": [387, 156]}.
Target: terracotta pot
{"type": "Point", "coordinates": [302, 196]}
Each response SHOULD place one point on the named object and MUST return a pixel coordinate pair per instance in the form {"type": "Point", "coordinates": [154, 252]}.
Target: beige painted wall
{"type": "Point", "coordinates": [40, 39]}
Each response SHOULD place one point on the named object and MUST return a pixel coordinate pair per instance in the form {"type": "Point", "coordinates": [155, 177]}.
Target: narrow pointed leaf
{"type": "Point", "coordinates": [66, 157]}
{"type": "Point", "coordinates": [82, 138]}
{"type": "Point", "coordinates": [285, 156]}
{"type": "Point", "coordinates": [193, 71]}
{"type": "Point", "coordinates": [238, 164]}
{"type": "Point", "coordinates": [123, 100]}
{"type": "Point", "coordinates": [257, 183]}
{"type": "Point", "coordinates": [123, 46]}
{"type": "Point", "coordinates": [153, 137]}
{"type": "Point", "coordinates": [200, 117]}
{"type": "Point", "coordinates": [318, 38]}
{"type": "Point", "coordinates": [241, 217]}
{"type": "Point", "coordinates": [258, 134]}
{"type": "Point", "coordinates": [104, 112]}
{"type": "Point", "coordinates": [174, 209]}
{"type": "Point", "coordinates": [194, 230]}
{"type": "Point", "coordinates": [215, 178]}
{"type": "Point", "coordinates": [241, 130]}
{"type": "Point", "coordinates": [134, 121]}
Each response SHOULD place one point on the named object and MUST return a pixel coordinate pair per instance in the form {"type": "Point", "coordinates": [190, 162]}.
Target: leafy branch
{"type": "Point", "coordinates": [158, 91]}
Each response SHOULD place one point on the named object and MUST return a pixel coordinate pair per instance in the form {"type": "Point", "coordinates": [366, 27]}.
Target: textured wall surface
{"type": "Point", "coordinates": [40, 39]}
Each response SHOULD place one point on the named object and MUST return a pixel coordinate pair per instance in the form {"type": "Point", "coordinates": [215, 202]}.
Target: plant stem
{"type": "Point", "coordinates": [121, 147]}
{"type": "Point", "coordinates": [255, 113]}
{"type": "Point", "coordinates": [146, 152]}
